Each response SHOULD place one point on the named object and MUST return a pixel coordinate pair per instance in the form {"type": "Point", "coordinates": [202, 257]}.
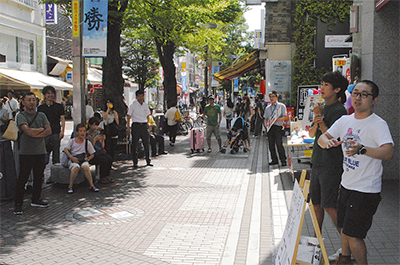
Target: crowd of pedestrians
{"type": "Point", "coordinates": [347, 155]}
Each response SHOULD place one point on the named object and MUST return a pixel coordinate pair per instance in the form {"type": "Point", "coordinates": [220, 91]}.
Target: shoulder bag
{"type": "Point", "coordinates": [81, 157]}
{"type": "Point", "coordinates": [12, 132]}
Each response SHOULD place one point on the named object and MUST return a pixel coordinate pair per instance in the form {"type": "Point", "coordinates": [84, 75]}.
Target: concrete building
{"type": "Point", "coordinates": [375, 33]}
{"type": "Point", "coordinates": [23, 48]}
{"type": "Point", "coordinates": [376, 42]}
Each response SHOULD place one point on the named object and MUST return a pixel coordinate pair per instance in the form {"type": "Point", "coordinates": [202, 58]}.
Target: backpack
{"type": "Point", "coordinates": [178, 116]}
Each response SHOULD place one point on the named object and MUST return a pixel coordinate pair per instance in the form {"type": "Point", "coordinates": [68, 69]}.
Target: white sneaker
{"type": "Point", "coordinates": [334, 257]}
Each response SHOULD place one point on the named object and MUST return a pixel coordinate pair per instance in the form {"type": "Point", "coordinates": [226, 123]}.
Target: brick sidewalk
{"type": "Point", "coordinates": [188, 209]}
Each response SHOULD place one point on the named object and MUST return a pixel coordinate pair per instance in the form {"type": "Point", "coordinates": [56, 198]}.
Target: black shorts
{"type": "Point", "coordinates": [324, 186]}
{"type": "Point", "coordinates": [355, 211]}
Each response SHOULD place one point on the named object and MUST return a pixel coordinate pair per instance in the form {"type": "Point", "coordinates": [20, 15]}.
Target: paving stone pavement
{"type": "Point", "coordinates": [188, 209]}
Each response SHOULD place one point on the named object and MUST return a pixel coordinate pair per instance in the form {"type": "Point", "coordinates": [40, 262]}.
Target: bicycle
{"type": "Point", "coordinates": [200, 121]}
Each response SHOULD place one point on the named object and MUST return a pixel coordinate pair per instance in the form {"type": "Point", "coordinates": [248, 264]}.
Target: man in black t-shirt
{"type": "Point", "coordinates": [56, 116]}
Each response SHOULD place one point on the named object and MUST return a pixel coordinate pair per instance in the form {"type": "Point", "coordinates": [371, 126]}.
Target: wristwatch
{"type": "Point", "coordinates": [362, 150]}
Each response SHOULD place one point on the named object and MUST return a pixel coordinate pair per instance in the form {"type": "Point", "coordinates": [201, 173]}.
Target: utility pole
{"type": "Point", "coordinates": [206, 74]}
{"type": "Point", "coordinates": [78, 71]}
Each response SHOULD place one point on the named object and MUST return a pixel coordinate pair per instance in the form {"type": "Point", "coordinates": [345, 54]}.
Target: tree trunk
{"type": "Point", "coordinates": [113, 83]}
{"type": "Point", "coordinates": [166, 52]}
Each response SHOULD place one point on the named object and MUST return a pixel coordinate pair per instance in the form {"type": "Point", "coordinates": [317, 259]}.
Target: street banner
{"type": "Point", "coordinates": [51, 13]}
{"type": "Point", "coordinates": [94, 41]}
{"type": "Point", "coordinates": [236, 84]}
{"type": "Point", "coordinates": [183, 81]}
{"type": "Point", "coordinates": [75, 18]}
{"type": "Point", "coordinates": [215, 69]}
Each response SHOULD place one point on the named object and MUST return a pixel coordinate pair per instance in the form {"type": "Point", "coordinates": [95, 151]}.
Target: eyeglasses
{"type": "Point", "coordinates": [362, 94]}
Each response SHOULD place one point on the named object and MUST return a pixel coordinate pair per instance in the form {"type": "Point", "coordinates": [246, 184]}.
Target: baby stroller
{"type": "Point", "coordinates": [238, 135]}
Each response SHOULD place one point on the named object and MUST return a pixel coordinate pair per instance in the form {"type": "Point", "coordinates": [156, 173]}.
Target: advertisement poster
{"type": "Point", "coordinates": [302, 94]}
{"type": "Point", "coordinates": [94, 41]}
{"type": "Point", "coordinates": [310, 102]}
{"type": "Point", "coordinates": [280, 78]}
{"type": "Point", "coordinates": [286, 249]}
{"type": "Point", "coordinates": [290, 114]}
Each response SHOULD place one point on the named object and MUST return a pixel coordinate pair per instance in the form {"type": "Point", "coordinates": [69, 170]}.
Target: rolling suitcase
{"type": "Point", "coordinates": [197, 139]}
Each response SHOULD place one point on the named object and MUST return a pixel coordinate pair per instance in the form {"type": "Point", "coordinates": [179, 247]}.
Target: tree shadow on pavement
{"type": "Point", "coordinates": [45, 222]}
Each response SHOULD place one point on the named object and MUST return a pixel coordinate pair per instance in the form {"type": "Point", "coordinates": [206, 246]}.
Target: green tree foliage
{"type": "Point", "coordinates": [171, 23]}
{"type": "Point", "coordinates": [307, 13]}
{"type": "Point", "coordinates": [139, 59]}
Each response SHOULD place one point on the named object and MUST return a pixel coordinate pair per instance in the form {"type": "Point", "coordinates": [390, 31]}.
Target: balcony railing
{"type": "Point", "coordinates": [28, 3]}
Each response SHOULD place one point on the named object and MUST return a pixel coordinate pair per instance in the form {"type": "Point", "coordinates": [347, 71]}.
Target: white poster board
{"type": "Point", "coordinates": [287, 246]}
{"type": "Point", "coordinates": [308, 116]}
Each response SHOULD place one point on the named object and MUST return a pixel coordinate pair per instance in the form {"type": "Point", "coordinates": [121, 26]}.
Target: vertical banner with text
{"type": "Point", "coordinates": [51, 13]}
{"type": "Point", "coordinates": [236, 85]}
{"type": "Point", "coordinates": [95, 15]}
{"type": "Point", "coordinates": [75, 18]}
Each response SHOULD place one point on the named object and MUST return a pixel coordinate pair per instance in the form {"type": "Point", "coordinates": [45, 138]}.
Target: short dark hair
{"type": "Point", "coordinates": [29, 93]}
{"type": "Point", "coordinates": [260, 96]}
{"type": "Point", "coordinates": [273, 92]}
{"type": "Point", "coordinates": [97, 115]}
{"type": "Point", "coordinates": [139, 92]}
{"type": "Point", "coordinates": [337, 80]}
{"type": "Point", "coordinates": [93, 120]}
{"type": "Point", "coordinates": [374, 87]}
{"type": "Point", "coordinates": [80, 125]}
{"type": "Point", "coordinates": [10, 91]}
{"type": "Point", "coordinates": [46, 89]}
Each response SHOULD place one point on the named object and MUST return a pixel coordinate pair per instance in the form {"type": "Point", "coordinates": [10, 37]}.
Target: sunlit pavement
{"type": "Point", "coordinates": [188, 209]}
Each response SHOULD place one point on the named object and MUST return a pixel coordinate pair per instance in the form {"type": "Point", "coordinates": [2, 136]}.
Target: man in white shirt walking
{"type": "Point", "coordinates": [139, 111]}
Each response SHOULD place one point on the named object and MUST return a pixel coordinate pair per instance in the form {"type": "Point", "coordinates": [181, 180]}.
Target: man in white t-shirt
{"type": "Point", "coordinates": [12, 104]}
{"type": "Point", "coordinates": [139, 112]}
{"type": "Point", "coordinates": [366, 141]}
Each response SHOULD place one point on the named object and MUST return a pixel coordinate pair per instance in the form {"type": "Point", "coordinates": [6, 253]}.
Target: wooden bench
{"type": "Point", "coordinates": [61, 175]}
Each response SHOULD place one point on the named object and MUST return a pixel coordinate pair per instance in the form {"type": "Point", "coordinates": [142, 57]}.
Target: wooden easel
{"type": "Point", "coordinates": [305, 187]}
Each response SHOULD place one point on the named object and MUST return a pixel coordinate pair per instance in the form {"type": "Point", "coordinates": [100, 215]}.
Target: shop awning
{"type": "Point", "coordinates": [247, 64]}
{"type": "Point", "coordinates": [94, 76]}
{"type": "Point", "coordinates": [35, 80]}
{"type": "Point", "coordinates": [59, 65]}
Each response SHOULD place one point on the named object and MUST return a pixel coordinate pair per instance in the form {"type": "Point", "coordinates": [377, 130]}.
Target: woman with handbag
{"type": "Point", "coordinates": [111, 124]}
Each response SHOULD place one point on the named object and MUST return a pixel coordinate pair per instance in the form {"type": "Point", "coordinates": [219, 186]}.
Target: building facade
{"type": "Point", "coordinates": [23, 35]}
{"type": "Point", "coordinates": [376, 42]}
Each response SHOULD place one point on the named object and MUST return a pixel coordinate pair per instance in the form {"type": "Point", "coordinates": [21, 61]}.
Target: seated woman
{"type": "Point", "coordinates": [101, 158]}
{"type": "Point", "coordinates": [80, 151]}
